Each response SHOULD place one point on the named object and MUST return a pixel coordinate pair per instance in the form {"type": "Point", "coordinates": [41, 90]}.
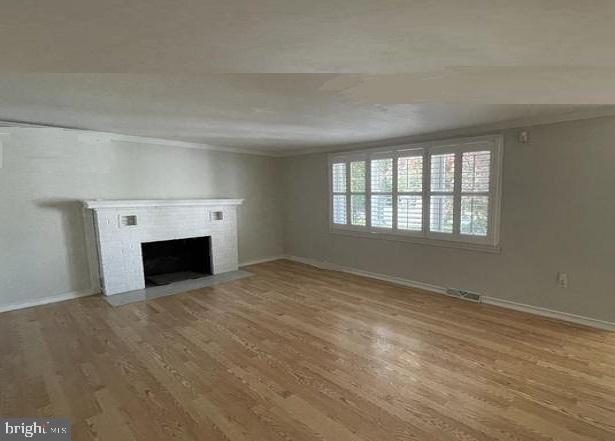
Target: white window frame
{"type": "Point", "coordinates": [490, 242]}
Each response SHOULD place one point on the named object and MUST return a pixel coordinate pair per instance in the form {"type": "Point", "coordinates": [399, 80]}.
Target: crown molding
{"type": "Point", "coordinates": [89, 135]}
{"type": "Point", "coordinates": [481, 129]}
{"type": "Point", "coordinates": [130, 139]}
{"type": "Point", "coordinates": [477, 130]}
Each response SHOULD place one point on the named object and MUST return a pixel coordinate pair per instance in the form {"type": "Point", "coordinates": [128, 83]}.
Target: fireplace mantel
{"type": "Point", "coordinates": [116, 230]}
{"type": "Point", "coordinates": [95, 204]}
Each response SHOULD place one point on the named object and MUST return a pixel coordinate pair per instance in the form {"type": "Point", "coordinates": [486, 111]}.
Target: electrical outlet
{"type": "Point", "coordinates": [562, 280]}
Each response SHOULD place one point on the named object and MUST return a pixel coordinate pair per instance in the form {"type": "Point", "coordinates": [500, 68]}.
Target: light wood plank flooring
{"type": "Point", "coordinates": [297, 353]}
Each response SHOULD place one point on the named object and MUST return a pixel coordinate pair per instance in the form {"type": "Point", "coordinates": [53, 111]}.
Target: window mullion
{"type": "Point", "coordinates": [457, 194]}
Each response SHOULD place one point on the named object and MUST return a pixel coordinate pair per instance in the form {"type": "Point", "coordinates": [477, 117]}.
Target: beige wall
{"type": "Point", "coordinates": [46, 171]}
{"type": "Point", "coordinates": [558, 214]}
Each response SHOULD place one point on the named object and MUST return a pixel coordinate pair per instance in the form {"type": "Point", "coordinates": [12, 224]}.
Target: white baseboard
{"type": "Point", "coordinates": [536, 310]}
{"type": "Point", "coordinates": [383, 277]}
{"type": "Point", "coordinates": [77, 294]}
{"type": "Point", "coordinates": [50, 299]}
{"type": "Point", "coordinates": [545, 312]}
{"type": "Point", "coordinates": [263, 260]}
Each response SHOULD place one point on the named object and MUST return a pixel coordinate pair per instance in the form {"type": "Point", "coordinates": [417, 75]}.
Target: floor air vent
{"type": "Point", "coordinates": [465, 295]}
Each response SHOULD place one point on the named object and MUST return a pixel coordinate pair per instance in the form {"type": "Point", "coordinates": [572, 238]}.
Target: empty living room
{"type": "Point", "coordinates": [267, 220]}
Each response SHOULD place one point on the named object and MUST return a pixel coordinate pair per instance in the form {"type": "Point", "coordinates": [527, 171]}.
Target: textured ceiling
{"type": "Point", "coordinates": [368, 36]}
{"type": "Point", "coordinates": [281, 75]}
{"type": "Point", "coordinates": [275, 113]}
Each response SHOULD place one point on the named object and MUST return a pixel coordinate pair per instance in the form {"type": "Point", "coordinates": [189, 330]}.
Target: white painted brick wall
{"type": "Point", "coordinates": [121, 262]}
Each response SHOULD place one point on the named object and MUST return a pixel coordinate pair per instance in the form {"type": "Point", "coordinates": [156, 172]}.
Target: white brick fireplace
{"type": "Point", "coordinates": [116, 230]}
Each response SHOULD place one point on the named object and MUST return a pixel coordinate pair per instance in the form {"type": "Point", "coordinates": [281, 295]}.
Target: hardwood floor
{"type": "Point", "coordinates": [297, 353]}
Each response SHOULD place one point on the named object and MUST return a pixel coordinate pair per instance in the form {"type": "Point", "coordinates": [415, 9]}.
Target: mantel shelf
{"type": "Point", "coordinates": [96, 204]}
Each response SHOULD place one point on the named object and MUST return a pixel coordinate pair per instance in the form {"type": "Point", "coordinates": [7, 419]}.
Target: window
{"type": "Point", "coordinates": [475, 177]}
{"type": "Point", "coordinates": [381, 192]}
{"type": "Point", "coordinates": [440, 191]}
{"type": "Point", "coordinates": [339, 194]}
{"type": "Point", "coordinates": [358, 215]}
{"type": "Point", "coordinates": [410, 191]}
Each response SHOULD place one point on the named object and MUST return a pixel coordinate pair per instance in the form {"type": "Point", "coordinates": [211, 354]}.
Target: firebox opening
{"type": "Point", "coordinates": [169, 261]}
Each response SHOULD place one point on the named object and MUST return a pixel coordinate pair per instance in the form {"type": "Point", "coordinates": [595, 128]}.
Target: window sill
{"type": "Point", "coordinates": [416, 240]}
